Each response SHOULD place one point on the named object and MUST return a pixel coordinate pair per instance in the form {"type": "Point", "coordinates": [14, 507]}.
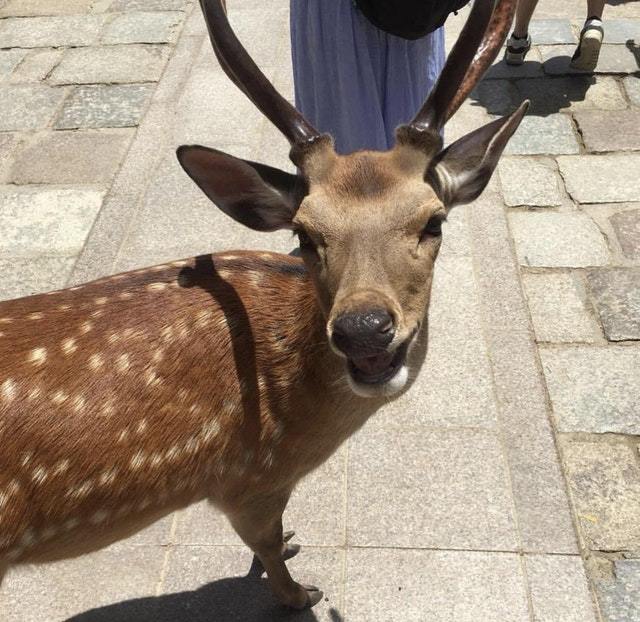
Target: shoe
{"type": "Point", "coordinates": [586, 55]}
{"type": "Point", "coordinates": [517, 49]}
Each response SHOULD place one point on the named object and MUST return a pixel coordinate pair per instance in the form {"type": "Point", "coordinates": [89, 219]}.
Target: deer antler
{"type": "Point", "coordinates": [239, 66]}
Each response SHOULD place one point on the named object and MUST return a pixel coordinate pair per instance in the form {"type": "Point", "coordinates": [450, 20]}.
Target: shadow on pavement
{"type": "Point", "coordinates": [237, 599]}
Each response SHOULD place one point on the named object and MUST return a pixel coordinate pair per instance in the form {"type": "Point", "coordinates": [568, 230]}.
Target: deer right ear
{"type": "Point", "coordinates": [256, 195]}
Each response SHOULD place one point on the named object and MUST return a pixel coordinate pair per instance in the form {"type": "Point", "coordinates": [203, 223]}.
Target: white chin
{"type": "Point", "coordinates": [390, 387]}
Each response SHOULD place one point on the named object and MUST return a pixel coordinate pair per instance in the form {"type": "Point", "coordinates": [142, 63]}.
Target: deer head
{"type": "Point", "coordinates": [369, 223]}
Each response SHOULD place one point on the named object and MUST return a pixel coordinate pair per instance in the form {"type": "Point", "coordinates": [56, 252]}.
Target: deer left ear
{"type": "Point", "coordinates": [256, 195]}
{"type": "Point", "coordinates": [461, 172]}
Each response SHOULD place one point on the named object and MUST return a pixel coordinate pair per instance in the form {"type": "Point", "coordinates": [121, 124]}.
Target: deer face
{"type": "Point", "coordinates": [369, 222]}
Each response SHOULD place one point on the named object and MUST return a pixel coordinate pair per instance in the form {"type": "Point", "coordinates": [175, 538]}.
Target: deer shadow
{"type": "Point", "coordinates": [236, 599]}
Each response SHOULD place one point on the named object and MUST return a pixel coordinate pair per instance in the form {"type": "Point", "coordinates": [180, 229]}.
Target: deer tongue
{"type": "Point", "coordinates": [375, 364]}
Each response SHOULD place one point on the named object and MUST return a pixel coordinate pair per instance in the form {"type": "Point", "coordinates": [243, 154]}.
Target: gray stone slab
{"type": "Point", "coordinates": [632, 87]}
{"type": "Point", "coordinates": [619, 597]}
{"type": "Point", "coordinates": [222, 583]}
{"type": "Point", "coordinates": [559, 589]}
{"type": "Point", "coordinates": [33, 8]}
{"type": "Point", "coordinates": [551, 31]}
{"type": "Point", "coordinates": [143, 27]}
{"type": "Point", "coordinates": [469, 117]}
{"type": "Point", "coordinates": [148, 5]}
{"type": "Point", "coordinates": [612, 59]}
{"type": "Point", "coordinates": [618, 130]}
{"type": "Point", "coordinates": [56, 592]}
{"type": "Point", "coordinates": [616, 296]}
{"type": "Point", "coordinates": [35, 32]}
{"type": "Point", "coordinates": [605, 485]}
{"type": "Point", "coordinates": [9, 60]}
{"type": "Point", "coordinates": [414, 586]}
{"type": "Point", "coordinates": [621, 30]}
{"type": "Point", "coordinates": [111, 64]}
{"type": "Point", "coordinates": [553, 240]}
{"type": "Point", "coordinates": [9, 142]}
{"type": "Point", "coordinates": [594, 389]}
{"type": "Point", "coordinates": [580, 92]}
{"type": "Point", "coordinates": [109, 105]}
{"type": "Point", "coordinates": [37, 65]}
{"type": "Point", "coordinates": [553, 134]}
{"type": "Point", "coordinates": [34, 275]}
{"type": "Point", "coordinates": [530, 182]}
{"type": "Point", "coordinates": [454, 386]}
{"type": "Point", "coordinates": [558, 311]}
{"type": "Point", "coordinates": [602, 179]}
{"type": "Point", "coordinates": [531, 68]}
{"type": "Point", "coordinates": [28, 107]}
{"type": "Point", "coordinates": [45, 221]}
{"type": "Point", "coordinates": [316, 512]}
{"type": "Point", "coordinates": [627, 228]}
{"type": "Point", "coordinates": [428, 488]}
{"type": "Point", "coordinates": [87, 157]}
{"type": "Point", "coordinates": [498, 97]}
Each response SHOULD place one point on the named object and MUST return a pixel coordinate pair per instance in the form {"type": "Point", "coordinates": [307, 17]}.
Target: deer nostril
{"type": "Point", "coordinates": [372, 330]}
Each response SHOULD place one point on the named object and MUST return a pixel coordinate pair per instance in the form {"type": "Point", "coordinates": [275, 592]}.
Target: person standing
{"type": "Point", "coordinates": [585, 58]}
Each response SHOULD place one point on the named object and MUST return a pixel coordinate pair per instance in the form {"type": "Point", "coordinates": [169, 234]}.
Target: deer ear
{"type": "Point", "coordinates": [461, 172]}
{"type": "Point", "coordinates": [255, 195]}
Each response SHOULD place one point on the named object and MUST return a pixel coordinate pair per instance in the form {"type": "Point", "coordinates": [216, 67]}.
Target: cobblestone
{"type": "Point", "coordinates": [119, 105]}
{"type": "Point", "coordinates": [142, 28]}
{"type": "Point", "coordinates": [33, 32]}
{"type": "Point", "coordinates": [551, 31]}
{"type": "Point", "coordinates": [602, 178]}
{"type": "Point", "coordinates": [34, 8]}
{"type": "Point", "coordinates": [613, 59]}
{"type": "Point", "coordinates": [620, 596]}
{"type": "Point", "coordinates": [620, 30]}
{"type": "Point", "coordinates": [28, 107]}
{"type": "Point", "coordinates": [37, 65]}
{"type": "Point", "coordinates": [632, 87]}
{"type": "Point", "coordinates": [9, 60]}
{"type": "Point", "coordinates": [596, 130]}
{"type": "Point", "coordinates": [553, 134]}
{"type": "Point", "coordinates": [529, 181]}
{"type": "Point", "coordinates": [627, 228]}
{"type": "Point", "coordinates": [616, 295]}
{"type": "Point", "coordinates": [558, 240]}
{"type": "Point", "coordinates": [148, 5]}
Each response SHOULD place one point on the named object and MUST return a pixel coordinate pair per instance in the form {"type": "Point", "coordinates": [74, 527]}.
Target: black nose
{"type": "Point", "coordinates": [363, 333]}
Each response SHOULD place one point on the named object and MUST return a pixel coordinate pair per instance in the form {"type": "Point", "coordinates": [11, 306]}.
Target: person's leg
{"type": "Point", "coordinates": [519, 43]}
{"type": "Point", "coordinates": [595, 8]}
{"type": "Point", "coordinates": [585, 58]}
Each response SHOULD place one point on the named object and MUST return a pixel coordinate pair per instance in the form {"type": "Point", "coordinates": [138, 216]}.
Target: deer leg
{"type": "Point", "coordinates": [260, 527]}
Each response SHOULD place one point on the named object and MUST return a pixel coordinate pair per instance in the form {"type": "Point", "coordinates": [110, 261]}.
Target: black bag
{"type": "Point", "coordinates": [409, 19]}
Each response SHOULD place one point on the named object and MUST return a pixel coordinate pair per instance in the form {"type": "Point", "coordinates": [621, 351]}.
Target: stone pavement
{"type": "Point", "coordinates": [506, 485]}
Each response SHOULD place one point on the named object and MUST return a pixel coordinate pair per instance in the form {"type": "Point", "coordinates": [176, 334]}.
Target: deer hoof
{"type": "Point", "coordinates": [290, 550]}
{"type": "Point", "coordinates": [314, 595]}
{"type": "Point", "coordinates": [287, 535]}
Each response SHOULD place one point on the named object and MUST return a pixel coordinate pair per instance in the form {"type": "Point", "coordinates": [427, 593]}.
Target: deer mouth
{"type": "Point", "coordinates": [378, 368]}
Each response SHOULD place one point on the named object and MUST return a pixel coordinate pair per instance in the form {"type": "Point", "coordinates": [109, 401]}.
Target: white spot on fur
{"type": "Point", "coordinates": [62, 467]}
{"type": "Point", "coordinates": [255, 278]}
{"type": "Point", "coordinates": [96, 361]}
{"type": "Point", "coordinates": [39, 476]}
{"type": "Point", "coordinates": [59, 397]}
{"type": "Point", "coordinates": [69, 346]}
{"type": "Point", "coordinates": [225, 274]}
{"type": "Point", "coordinates": [26, 458]}
{"type": "Point", "coordinates": [231, 257]}
{"type": "Point", "coordinates": [9, 390]}
{"type": "Point", "coordinates": [81, 491]}
{"type": "Point", "coordinates": [71, 524]}
{"type": "Point", "coordinates": [97, 313]}
{"type": "Point", "coordinates": [6, 320]}
{"type": "Point", "coordinates": [101, 301]}
{"type": "Point", "coordinates": [179, 264]}
{"type": "Point", "coordinates": [144, 504]}
{"type": "Point", "coordinates": [113, 338]}
{"type": "Point", "coordinates": [86, 327]}
{"type": "Point", "coordinates": [158, 355]}
{"type": "Point", "coordinates": [151, 378]}
{"type": "Point", "coordinates": [64, 307]}
{"type": "Point", "coordinates": [138, 460]}
{"type": "Point", "coordinates": [4, 497]}
{"type": "Point", "coordinates": [38, 356]}
{"type": "Point", "coordinates": [210, 430]}
{"type": "Point", "coordinates": [34, 393]}
{"type": "Point", "coordinates": [156, 459]}
{"type": "Point", "coordinates": [192, 445]}
{"type": "Point", "coordinates": [154, 287]}
{"type": "Point", "coordinates": [123, 363]}
{"type": "Point", "coordinates": [99, 517]}
{"type": "Point", "coordinates": [35, 316]}
{"type": "Point", "coordinates": [125, 295]}
{"type": "Point", "coordinates": [49, 532]}
{"type": "Point", "coordinates": [173, 453]}
{"type": "Point", "coordinates": [167, 333]}
{"type": "Point", "coordinates": [108, 477]}
{"type": "Point", "coordinates": [79, 403]}
{"type": "Point", "coordinates": [266, 255]}
{"type": "Point", "coordinates": [28, 538]}
{"type": "Point", "coordinates": [142, 427]}
{"type": "Point", "coordinates": [122, 437]}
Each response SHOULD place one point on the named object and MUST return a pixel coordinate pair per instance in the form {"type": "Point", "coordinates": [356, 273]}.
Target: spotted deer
{"type": "Point", "coordinates": [230, 376]}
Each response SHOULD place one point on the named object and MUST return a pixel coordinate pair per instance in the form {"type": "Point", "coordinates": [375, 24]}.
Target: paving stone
{"type": "Point", "coordinates": [457, 478]}
{"type": "Point", "coordinates": [531, 68]}
{"type": "Point", "coordinates": [45, 221]}
{"type": "Point", "coordinates": [148, 5]}
{"type": "Point", "coordinates": [9, 60]}
{"type": "Point", "coordinates": [557, 308]}
{"type": "Point", "coordinates": [616, 295]}
{"type": "Point", "coordinates": [555, 240]}
{"type": "Point", "coordinates": [605, 484]}
{"type": "Point", "coordinates": [414, 586]}
{"type": "Point", "coordinates": [111, 64]}
{"type": "Point", "coordinates": [632, 86]}
{"type": "Point", "coordinates": [497, 96]}
{"type": "Point", "coordinates": [37, 65]}
{"type": "Point", "coordinates": [143, 28]}
{"type": "Point", "coordinates": [555, 93]}
{"type": "Point", "coordinates": [618, 130]}
{"type": "Point", "coordinates": [594, 389]}
{"type": "Point", "coordinates": [88, 157]}
{"type": "Point", "coordinates": [35, 275]}
{"type": "Point", "coordinates": [551, 31]}
{"type": "Point", "coordinates": [35, 32]}
{"type": "Point", "coordinates": [224, 584]}
{"type": "Point", "coordinates": [559, 589]}
{"type": "Point", "coordinates": [602, 178]}
{"type": "Point", "coordinates": [316, 511]}
{"type": "Point", "coordinates": [112, 105]}
{"type": "Point", "coordinates": [612, 59]}
{"type": "Point", "coordinates": [627, 228]}
{"type": "Point", "coordinates": [621, 30]}
{"type": "Point", "coordinates": [619, 597]}
{"type": "Point", "coordinates": [8, 144]}
{"type": "Point", "coordinates": [55, 592]}
{"type": "Point", "coordinates": [529, 181]}
{"type": "Point", "coordinates": [540, 135]}
{"type": "Point", "coordinates": [28, 107]}
{"type": "Point", "coordinates": [33, 8]}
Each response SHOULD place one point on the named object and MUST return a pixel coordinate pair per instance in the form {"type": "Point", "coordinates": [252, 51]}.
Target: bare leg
{"type": "Point", "coordinates": [524, 11]}
{"type": "Point", "coordinates": [595, 8]}
{"type": "Point", "coordinates": [260, 527]}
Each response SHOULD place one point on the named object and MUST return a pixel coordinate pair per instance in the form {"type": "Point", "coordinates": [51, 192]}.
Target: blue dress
{"type": "Point", "coordinates": [355, 81]}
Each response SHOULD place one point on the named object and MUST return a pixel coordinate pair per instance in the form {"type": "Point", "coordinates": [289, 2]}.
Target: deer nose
{"type": "Point", "coordinates": [363, 333]}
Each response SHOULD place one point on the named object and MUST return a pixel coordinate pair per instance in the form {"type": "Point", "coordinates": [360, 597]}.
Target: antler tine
{"type": "Point", "coordinates": [488, 49]}
{"type": "Point", "coordinates": [239, 66]}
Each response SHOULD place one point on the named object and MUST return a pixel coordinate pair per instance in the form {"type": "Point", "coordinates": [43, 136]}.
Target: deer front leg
{"type": "Point", "coordinates": [259, 524]}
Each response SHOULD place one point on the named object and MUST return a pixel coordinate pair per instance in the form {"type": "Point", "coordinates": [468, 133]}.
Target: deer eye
{"type": "Point", "coordinates": [433, 229]}
{"type": "Point", "coordinates": [304, 239]}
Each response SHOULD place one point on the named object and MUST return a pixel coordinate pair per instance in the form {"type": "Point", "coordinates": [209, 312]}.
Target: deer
{"type": "Point", "coordinates": [229, 377]}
